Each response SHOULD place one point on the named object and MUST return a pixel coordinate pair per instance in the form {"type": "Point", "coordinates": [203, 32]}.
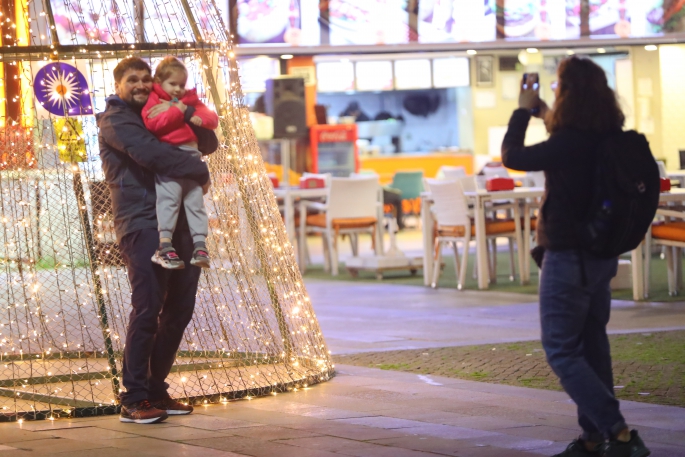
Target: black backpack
{"type": "Point", "coordinates": [625, 196]}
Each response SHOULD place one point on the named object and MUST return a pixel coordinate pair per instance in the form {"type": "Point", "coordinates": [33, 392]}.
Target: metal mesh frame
{"type": "Point", "coordinates": [64, 292]}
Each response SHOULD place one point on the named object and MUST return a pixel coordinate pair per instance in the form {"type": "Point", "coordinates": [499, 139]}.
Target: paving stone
{"type": "Point", "coordinates": [162, 448]}
{"type": "Point", "coordinates": [272, 433]}
{"type": "Point", "coordinates": [211, 422]}
{"type": "Point", "coordinates": [56, 445]}
{"type": "Point", "coordinates": [512, 442]}
{"type": "Point", "coordinates": [448, 431]}
{"type": "Point", "coordinates": [427, 444]}
{"type": "Point", "coordinates": [182, 433]}
{"type": "Point", "coordinates": [542, 432]}
{"type": "Point", "coordinates": [260, 448]}
{"type": "Point", "coordinates": [91, 434]}
{"type": "Point", "coordinates": [355, 432]}
{"type": "Point", "coordinates": [12, 432]}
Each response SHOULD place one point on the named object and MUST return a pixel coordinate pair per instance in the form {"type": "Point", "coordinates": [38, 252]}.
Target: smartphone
{"type": "Point", "coordinates": [536, 78]}
{"type": "Point", "coordinates": [536, 86]}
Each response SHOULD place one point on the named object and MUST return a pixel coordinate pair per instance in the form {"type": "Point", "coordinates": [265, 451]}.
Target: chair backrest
{"type": "Point", "coordinates": [468, 183]}
{"type": "Point", "coordinates": [536, 178]}
{"type": "Point", "coordinates": [491, 171]}
{"type": "Point", "coordinates": [449, 172]}
{"type": "Point", "coordinates": [325, 176]}
{"type": "Point", "coordinates": [449, 203]}
{"type": "Point", "coordinates": [353, 197]}
{"type": "Point", "coordinates": [662, 169]}
{"type": "Point", "coordinates": [410, 183]}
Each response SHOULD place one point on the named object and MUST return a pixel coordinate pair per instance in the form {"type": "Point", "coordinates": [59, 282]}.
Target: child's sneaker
{"type": "Point", "coordinates": [168, 259]}
{"type": "Point", "coordinates": [200, 258]}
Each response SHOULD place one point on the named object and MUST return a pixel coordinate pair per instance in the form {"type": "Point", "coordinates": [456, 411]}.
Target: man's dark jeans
{"type": "Point", "coordinates": [574, 314]}
{"type": "Point", "coordinates": [163, 303]}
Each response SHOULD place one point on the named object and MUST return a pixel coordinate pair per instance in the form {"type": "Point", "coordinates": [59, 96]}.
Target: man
{"type": "Point", "coordinates": [162, 300]}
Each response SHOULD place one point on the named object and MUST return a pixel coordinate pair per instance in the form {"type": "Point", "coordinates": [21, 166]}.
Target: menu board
{"type": "Point", "coordinates": [413, 74]}
{"type": "Point", "coordinates": [254, 73]}
{"type": "Point", "coordinates": [539, 19]}
{"type": "Point", "coordinates": [374, 75]}
{"type": "Point", "coordinates": [451, 72]}
{"type": "Point", "coordinates": [368, 22]}
{"type": "Point", "coordinates": [625, 18]}
{"type": "Point", "coordinates": [89, 22]}
{"type": "Point", "coordinates": [456, 20]}
{"type": "Point", "coordinates": [287, 22]}
{"type": "Point", "coordinates": [335, 76]}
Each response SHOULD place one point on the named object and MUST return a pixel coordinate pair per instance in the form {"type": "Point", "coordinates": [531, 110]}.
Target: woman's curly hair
{"type": "Point", "coordinates": [584, 99]}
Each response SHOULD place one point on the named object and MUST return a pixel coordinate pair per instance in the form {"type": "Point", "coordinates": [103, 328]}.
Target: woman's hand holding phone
{"type": "Point", "coordinates": [529, 98]}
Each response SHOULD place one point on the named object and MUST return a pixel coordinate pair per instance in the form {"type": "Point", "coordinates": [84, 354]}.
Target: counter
{"type": "Point", "coordinates": [386, 166]}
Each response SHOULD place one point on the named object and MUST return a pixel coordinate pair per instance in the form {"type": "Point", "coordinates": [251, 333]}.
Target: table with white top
{"type": "Point", "coordinates": [677, 176]}
{"type": "Point", "coordinates": [640, 275]}
{"type": "Point", "coordinates": [479, 199]}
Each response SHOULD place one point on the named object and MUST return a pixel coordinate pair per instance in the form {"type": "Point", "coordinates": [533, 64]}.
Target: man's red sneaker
{"type": "Point", "coordinates": [142, 412]}
{"type": "Point", "coordinates": [172, 407]}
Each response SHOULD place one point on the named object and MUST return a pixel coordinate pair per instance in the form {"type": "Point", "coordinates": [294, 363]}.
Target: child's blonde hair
{"type": "Point", "coordinates": [167, 67]}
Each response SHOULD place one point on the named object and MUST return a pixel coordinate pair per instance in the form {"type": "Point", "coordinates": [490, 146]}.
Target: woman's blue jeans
{"type": "Point", "coordinates": [575, 304]}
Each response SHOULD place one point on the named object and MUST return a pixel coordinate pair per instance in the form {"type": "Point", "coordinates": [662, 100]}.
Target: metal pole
{"type": "Point", "coordinates": [249, 212]}
{"type": "Point", "coordinates": [94, 266]}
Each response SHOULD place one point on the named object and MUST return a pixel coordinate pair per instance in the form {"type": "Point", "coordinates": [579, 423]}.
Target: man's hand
{"type": "Point", "coordinates": [205, 187]}
{"type": "Point", "coordinates": [196, 120]}
{"type": "Point", "coordinates": [159, 109]}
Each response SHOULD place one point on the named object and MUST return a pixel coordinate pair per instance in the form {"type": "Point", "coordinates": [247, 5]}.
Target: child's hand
{"type": "Point", "coordinates": [196, 120]}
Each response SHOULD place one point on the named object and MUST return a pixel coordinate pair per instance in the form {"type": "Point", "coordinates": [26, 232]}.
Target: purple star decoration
{"type": "Point", "coordinates": [62, 90]}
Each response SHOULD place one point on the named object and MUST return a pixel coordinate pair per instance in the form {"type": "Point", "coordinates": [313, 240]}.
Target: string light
{"type": "Point", "coordinates": [66, 296]}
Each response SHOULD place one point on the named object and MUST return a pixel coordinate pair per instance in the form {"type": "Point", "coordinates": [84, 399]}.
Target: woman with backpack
{"type": "Point", "coordinates": [575, 296]}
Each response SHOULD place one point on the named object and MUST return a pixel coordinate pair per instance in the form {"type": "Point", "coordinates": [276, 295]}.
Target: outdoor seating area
{"type": "Point", "coordinates": [458, 216]}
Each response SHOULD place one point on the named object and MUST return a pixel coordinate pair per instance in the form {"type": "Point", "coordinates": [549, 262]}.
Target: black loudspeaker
{"type": "Point", "coordinates": [285, 103]}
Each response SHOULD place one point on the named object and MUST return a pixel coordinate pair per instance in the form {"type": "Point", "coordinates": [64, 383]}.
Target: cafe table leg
{"type": "Point", "coordinates": [481, 244]}
{"type": "Point", "coordinates": [525, 273]}
{"type": "Point", "coordinates": [637, 263]}
{"type": "Point", "coordinates": [520, 244]}
{"type": "Point", "coordinates": [427, 233]}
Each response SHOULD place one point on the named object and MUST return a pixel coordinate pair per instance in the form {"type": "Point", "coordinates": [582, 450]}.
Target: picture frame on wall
{"type": "Point", "coordinates": [485, 71]}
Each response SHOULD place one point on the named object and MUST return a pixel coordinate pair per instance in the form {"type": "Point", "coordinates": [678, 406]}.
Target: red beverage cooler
{"type": "Point", "coordinates": [334, 149]}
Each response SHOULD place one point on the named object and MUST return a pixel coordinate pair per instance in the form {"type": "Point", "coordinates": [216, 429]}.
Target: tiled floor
{"type": "Point", "coordinates": [361, 412]}
{"type": "Point", "coordinates": [374, 413]}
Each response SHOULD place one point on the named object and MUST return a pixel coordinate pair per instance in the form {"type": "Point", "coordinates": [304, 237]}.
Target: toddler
{"type": "Point", "coordinates": [171, 127]}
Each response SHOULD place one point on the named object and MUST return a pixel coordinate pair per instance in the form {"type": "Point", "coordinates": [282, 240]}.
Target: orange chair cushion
{"type": "Point", "coordinates": [673, 231]}
{"type": "Point", "coordinates": [319, 220]}
{"type": "Point", "coordinates": [492, 227]}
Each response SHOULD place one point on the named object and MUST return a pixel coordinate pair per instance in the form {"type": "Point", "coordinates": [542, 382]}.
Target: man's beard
{"type": "Point", "coordinates": [135, 104]}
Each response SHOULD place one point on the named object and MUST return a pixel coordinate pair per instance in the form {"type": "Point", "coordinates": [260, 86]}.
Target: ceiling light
{"type": "Point", "coordinates": [570, 52]}
{"type": "Point", "coordinates": [651, 47]}
{"type": "Point", "coordinates": [601, 50]}
{"type": "Point", "coordinates": [472, 52]}
{"type": "Point", "coordinates": [287, 56]}
{"type": "Point", "coordinates": [532, 50]}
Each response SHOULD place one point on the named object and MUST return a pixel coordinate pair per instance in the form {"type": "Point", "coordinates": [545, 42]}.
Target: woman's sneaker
{"type": "Point", "coordinates": [633, 448]}
{"type": "Point", "coordinates": [168, 258]}
{"type": "Point", "coordinates": [172, 407]}
{"type": "Point", "coordinates": [577, 449]}
{"type": "Point", "coordinates": [200, 258]}
{"type": "Point", "coordinates": [142, 412]}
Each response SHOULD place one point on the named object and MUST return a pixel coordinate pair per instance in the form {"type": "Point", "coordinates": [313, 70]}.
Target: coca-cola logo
{"type": "Point", "coordinates": [333, 136]}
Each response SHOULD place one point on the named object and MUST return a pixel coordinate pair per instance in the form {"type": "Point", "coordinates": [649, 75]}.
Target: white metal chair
{"type": "Point", "coordinates": [450, 172]}
{"type": "Point", "coordinates": [662, 169]}
{"type": "Point", "coordinates": [454, 224]}
{"type": "Point", "coordinates": [670, 234]}
{"type": "Point", "coordinates": [352, 207]}
{"type": "Point", "coordinates": [492, 171]}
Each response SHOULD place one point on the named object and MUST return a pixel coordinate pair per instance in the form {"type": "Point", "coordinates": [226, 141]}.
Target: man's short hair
{"type": "Point", "coordinates": [130, 63]}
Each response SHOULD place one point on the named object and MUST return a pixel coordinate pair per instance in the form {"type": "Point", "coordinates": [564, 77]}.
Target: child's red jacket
{"type": "Point", "coordinates": [170, 126]}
